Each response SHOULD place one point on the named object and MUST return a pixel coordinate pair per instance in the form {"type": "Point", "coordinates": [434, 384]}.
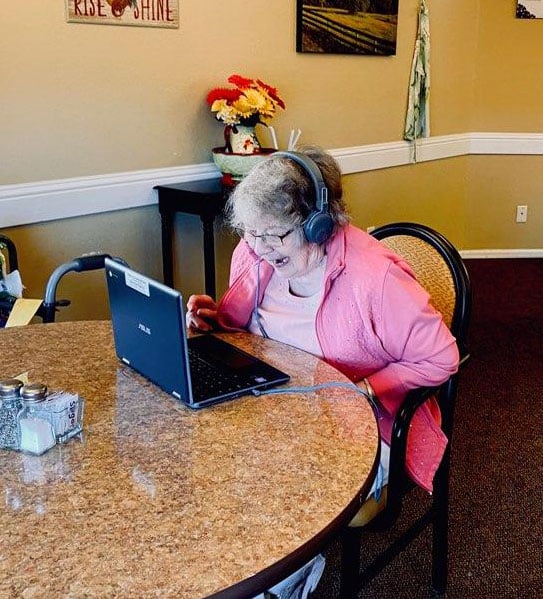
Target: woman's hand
{"type": "Point", "coordinates": [201, 313]}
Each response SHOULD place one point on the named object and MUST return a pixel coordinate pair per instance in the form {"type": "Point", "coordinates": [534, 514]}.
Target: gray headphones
{"type": "Point", "coordinates": [319, 225]}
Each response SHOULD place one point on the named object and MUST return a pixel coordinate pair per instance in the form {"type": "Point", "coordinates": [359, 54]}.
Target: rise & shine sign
{"type": "Point", "coordinates": [142, 13]}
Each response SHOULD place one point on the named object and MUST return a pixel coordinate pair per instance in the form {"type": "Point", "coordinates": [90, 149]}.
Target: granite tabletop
{"type": "Point", "coordinates": [157, 500]}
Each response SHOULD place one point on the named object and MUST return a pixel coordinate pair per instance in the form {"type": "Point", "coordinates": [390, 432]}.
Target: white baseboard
{"type": "Point", "coordinates": [524, 253]}
{"type": "Point", "coordinates": [28, 203]}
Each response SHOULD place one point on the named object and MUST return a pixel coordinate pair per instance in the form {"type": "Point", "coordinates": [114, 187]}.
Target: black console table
{"type": "Point", "coordinates": [205, 198]}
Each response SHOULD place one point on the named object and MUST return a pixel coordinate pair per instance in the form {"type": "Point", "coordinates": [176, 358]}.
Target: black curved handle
{"type": "Point", "coordinates": [92, 261]}
{"type": "Point", "coordinates": [12, 252]}
{"type": "Point", "coordinates": [89, 262]}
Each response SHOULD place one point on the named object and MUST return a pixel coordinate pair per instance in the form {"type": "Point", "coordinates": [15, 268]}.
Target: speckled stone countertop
{"type": "Point", "coordinates": [157, 500]}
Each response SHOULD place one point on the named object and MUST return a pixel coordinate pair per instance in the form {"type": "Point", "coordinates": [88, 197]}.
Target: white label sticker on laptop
{"type": "Point", "coordinates": [139, 284]}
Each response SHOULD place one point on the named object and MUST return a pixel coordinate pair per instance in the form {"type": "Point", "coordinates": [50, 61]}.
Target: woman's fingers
{"type": "Point", "coordinates": [200, 301]}
{"type": "Point", "coordinates": [201, 313]}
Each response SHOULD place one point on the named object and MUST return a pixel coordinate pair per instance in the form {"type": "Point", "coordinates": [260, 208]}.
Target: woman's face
{"type": "Point", "coordinates": [283, 246]}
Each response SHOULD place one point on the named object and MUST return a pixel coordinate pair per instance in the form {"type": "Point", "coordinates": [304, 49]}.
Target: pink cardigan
{"type": "Point", "coordinates": [374, 321]}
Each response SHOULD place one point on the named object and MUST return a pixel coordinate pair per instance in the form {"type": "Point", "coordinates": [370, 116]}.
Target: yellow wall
{"type": "Point", "coordinates": [131, 234]}
{"type": "Point", "coordinates": [82, 100]}
{"type": "Point", "coordinates": [497, 185]}
{"type": "Point", "coordinates": [508, 76]}
{"type": "Point", "coordinates": [430, 192]}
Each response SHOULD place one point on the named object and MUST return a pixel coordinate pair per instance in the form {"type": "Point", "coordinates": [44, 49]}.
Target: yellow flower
{"type": "Point", "coordinates": [250, 102]}
{"type": "Point", "coordinates": [225, 112]}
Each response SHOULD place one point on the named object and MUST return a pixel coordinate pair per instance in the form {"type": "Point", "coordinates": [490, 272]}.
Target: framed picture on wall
{"type": "Point", "coordinates": [347, 26]}
{"type": "Point", "coordinates": [529, 9]}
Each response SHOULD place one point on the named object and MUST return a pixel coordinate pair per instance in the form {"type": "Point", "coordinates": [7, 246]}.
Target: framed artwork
{"type": "Point", "coordinates": [529, 9]}
{"type": "Point", "coordinates": [142, 13]}
{"type": "Point", "coordinates": [347, 26]}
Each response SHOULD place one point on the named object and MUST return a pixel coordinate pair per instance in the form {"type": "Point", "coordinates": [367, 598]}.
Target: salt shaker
{"type": "Point", "coordinates": [34, 427]}
{"type": "Point", "coordinates": [10, 404]}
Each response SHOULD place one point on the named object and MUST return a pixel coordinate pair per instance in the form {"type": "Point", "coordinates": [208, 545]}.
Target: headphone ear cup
{"type": "Point", "coordinates": [318, 227]}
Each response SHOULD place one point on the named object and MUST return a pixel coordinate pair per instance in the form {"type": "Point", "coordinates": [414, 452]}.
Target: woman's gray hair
{"type": "Point", "coordinates": [281, 188]}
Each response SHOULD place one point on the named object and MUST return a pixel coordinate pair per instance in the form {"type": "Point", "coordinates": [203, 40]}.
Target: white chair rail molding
{"type": "Point", "coordinates": [27, 203]}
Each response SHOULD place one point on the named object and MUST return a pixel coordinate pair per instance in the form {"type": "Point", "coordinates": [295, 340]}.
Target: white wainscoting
{"type": "Point", "coordinates": [52, 200]}
{"type": "Point", "coordinates": [524, 253]}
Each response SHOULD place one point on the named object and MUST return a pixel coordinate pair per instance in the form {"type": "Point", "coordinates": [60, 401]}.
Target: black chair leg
{"type": "Point", "coordinates": [350, 563]}
{"type": "Point", "coordinates": [439, 557]}
{"type": "Point", "coordinates": [440, 538]}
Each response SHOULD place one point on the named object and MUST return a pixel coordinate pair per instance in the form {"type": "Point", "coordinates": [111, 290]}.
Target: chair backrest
{"type": "Point", "coordinates": [439, 269]}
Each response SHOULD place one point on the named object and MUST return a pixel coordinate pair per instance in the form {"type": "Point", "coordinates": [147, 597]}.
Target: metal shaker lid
{"type": "Point", "coordinates": [33, 392]}
{"type": "Point", "coordinates": [10, 387]}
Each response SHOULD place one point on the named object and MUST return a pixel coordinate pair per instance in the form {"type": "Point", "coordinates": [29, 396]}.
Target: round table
{"type": "Point", "coordinates": [156, 499]}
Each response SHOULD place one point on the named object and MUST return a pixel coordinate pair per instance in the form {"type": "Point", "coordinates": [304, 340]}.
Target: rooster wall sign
{"type": "Point", "coordinates": [143, 13]}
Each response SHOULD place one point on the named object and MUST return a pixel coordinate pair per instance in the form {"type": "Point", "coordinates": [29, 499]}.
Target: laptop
{"type": "Point", "coordinates": [149, 331]}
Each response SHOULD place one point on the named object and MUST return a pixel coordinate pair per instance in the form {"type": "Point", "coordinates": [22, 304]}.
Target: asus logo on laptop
{"type": "Point", "coordinates": [143, 328]}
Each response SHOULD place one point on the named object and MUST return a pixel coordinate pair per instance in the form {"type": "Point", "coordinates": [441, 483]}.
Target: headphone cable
{"type": "Point", "coordinates": [256, 315]}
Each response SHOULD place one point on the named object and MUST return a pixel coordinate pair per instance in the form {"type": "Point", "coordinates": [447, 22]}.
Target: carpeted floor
{"type": "Point", "coordinates": [496, 517]}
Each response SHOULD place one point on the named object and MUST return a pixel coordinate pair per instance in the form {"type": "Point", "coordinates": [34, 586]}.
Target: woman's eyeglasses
{"type": "Point", "coordinates": [269, 240]}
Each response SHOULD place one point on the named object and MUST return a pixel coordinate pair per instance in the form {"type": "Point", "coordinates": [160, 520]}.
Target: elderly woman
{"type": "Point", "coordinates": [334, 291]}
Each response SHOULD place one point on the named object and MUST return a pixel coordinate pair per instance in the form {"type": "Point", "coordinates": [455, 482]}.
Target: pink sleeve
{"type": "Point", "coordinates": [421, 348]}
{"type": "Point", "coordinates": [237, 303]}
{"type": "Point", "coordinates": [242, 256]}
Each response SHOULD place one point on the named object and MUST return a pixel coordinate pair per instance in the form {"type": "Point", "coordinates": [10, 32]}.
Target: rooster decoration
{"type": "Point", "coordinates": [118, 6]}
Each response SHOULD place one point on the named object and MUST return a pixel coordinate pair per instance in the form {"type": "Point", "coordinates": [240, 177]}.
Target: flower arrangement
{"type": "Point", "coordinates": [251, 101]}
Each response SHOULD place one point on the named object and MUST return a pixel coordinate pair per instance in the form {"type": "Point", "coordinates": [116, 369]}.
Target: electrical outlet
{"type": "Point", "coordinates": [522, 214]}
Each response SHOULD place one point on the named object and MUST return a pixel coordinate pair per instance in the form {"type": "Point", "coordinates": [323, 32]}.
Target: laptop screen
{"type": "Point", "coordinates": [149, 331]}
{"type": "Point", "coordinates": [149, 328]}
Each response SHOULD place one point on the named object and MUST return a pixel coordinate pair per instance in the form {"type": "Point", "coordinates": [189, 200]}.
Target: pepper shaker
{"type": "Point", "coordinates": [10, 404]}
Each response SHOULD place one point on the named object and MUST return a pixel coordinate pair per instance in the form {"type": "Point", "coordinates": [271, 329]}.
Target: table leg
{"type": "Point", "coordinates": [209, 256]}
{"type": "Point", "coordinates": [167, 261]}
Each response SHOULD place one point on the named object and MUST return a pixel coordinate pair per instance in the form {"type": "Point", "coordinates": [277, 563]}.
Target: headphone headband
{"type": "Point", "coordinates": [311, 168]}
{"type": "Point", "coordinates": [319, 224]}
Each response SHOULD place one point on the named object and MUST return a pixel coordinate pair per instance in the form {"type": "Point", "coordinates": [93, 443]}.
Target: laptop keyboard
{"type": "Point", "coordinates": [210, 380]}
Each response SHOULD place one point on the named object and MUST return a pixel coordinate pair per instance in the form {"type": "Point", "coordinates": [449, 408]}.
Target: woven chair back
{"type": "Point", "coordinates": [430, 269]}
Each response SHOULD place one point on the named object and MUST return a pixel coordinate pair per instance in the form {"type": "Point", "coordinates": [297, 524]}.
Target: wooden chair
{"type": "Point", "coordinates": [440, 270]}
